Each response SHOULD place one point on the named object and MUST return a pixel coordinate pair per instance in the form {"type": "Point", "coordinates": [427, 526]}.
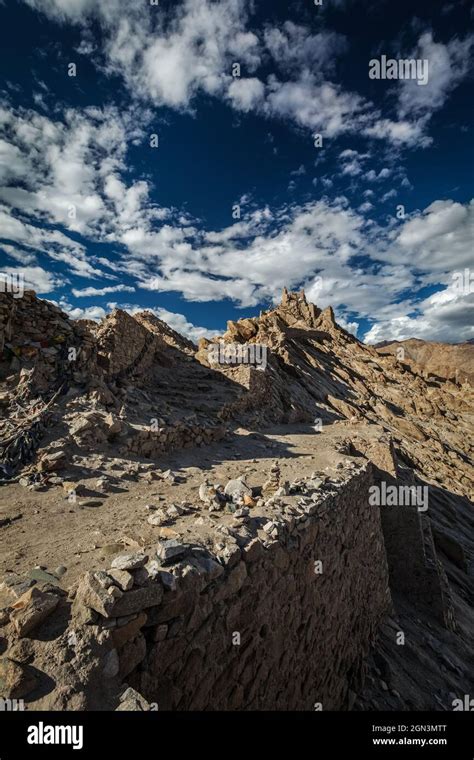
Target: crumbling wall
{"type": "Point", "coordinates": [260, 398]}
{"type": "Point", "coordinates": [414, 568]}
{"type": "Point", "coordinates": [32, 319]}
{"type": "Point", "coordinates": [123, 344]}
{"type": "Point", "coordinates": [413, 564]}
{"type": "Point", "coordinates": [283, 621]}
{"type": "Point", "coordinates": [151, 322]}
{"type": "Point", "coordinates": [6, 314]}
{"type": "Point", "coordinates": [35, 337]}
{"type": "Point", "coordinates": [32, 332]}
{"type": "Point", "coordinates": [149, 443]}
{"type": "Point", "coordinates": [41, 355]}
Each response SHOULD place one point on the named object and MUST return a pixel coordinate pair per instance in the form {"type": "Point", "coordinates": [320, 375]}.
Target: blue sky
{"type": "Point", "coordinates": [240, 197]}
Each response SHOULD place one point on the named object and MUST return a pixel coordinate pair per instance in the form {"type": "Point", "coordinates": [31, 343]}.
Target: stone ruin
{"type": "Point", "coordinates": [286, 603]}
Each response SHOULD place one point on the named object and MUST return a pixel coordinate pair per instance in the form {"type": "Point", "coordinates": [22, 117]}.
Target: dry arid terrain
{"type": "Point", "coordinates": [450, 361]}
{"type": "Point", "coordinates": [183, 534]}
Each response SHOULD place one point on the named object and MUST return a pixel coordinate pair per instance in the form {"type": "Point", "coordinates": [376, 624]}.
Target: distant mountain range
{"type": "Point", "coordinates": [453, 361]}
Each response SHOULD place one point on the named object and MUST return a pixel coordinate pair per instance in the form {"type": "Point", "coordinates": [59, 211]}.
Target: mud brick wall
{"type": "Point", "coordinates": [258, 628]}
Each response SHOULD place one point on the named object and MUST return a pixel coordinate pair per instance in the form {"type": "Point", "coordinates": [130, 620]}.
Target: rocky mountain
{"type": "Point", "coordinates": [159, 498]}
{"type": "Point", "coordinates": [450, 361]}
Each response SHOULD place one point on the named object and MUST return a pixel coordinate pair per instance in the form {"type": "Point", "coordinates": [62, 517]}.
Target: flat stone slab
{"type": "Point", "coordinates": [91, 594]}
{"type": "Point", "coordinates": [170, 550]}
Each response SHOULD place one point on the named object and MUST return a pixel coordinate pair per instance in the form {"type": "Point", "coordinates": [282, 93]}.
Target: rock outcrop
{"type": "Point", "coordinates": [453, 362]}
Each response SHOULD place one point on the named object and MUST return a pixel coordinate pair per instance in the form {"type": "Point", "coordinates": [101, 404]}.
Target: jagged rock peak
{"type": "Point", "coordinates": [289, 296]}
{"type": "Point", "coordinates": [293, 311]}
{"type": "Point", "coordinates": [328, 313]}
{"type": "Point", "coordinates": [295, 308]}
{"type": "Point", "coordinates": [327, 319]}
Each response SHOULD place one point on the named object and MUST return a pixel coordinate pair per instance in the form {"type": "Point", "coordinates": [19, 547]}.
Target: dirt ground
{"type": "Point", "coordinates": [45, 529]}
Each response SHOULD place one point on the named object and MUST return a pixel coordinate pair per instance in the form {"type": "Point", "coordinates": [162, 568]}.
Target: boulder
{"type": "Point", "coordinates": [53, 460]}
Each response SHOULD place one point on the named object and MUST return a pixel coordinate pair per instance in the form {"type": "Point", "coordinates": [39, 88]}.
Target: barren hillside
{"type": "Point", "coordinates": [450, 361]}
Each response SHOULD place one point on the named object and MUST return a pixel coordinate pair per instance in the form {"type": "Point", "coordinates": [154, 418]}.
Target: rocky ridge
{"type": "Point", "coordinates": [449, 361]}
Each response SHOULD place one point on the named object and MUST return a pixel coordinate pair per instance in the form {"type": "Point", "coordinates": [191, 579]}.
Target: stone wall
{"type": "Point", "coordinates": [283, 621]}
{"type": "Point", "coordinates": [150, 443]}
{"type": "Point", "coordinates": [32, 330]}
{"type": "Point", "coordinates": [31, 319]}
{"type": "Point", "coordinates": [35, 337]}
{"type": "Point", "coordinates": [414, 568]}
{"type": "Point", "coordinates": [124, 345]}
{"type": "Point", "coordinates": [413, 564]}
